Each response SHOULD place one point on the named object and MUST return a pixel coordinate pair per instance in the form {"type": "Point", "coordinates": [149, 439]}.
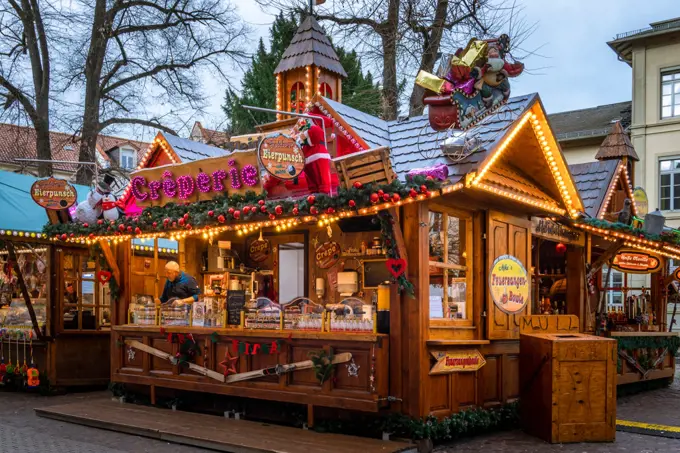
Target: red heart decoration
{"type": "Point", "coordinates": [103, 276]}
{"type": "Point", "coordinates": [396, 266]}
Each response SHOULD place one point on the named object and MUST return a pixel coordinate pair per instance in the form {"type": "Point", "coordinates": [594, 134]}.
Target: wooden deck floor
{"type": "Point", "coordinates": [207, 431]}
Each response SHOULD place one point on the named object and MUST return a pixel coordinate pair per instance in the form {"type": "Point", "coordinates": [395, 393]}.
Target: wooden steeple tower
{"type": "Point", "coordinates": [309, 66]}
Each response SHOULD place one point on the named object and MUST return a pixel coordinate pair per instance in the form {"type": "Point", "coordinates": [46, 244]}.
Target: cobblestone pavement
{"type": "Point", "coordinates": [22, 430]}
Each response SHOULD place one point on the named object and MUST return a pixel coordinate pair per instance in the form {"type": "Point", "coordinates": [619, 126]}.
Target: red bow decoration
{"type": "Point", "coordinates": [103, 276]}
{"type": "Point", "coordinates": [396, 266]}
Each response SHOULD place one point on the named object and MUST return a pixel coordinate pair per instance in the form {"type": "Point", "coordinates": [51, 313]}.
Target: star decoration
{"type": "Point", "coordinates": [315, 241]}
{"type": "Point", "coordinates": [229, 363]}
{"type": "Point", "coordinates": [131, 354]}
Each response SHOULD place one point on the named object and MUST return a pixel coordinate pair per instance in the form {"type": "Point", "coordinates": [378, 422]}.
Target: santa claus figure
{"type": "Point", "coordinates": [312, 141]}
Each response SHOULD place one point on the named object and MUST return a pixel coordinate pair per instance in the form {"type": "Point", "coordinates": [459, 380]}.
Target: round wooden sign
{"type": "Point", "coordinates": [327, 254]}
{"type": "Point", "coordinates": [636, 262]}
{"type": "Point", "coordinates": [509, 284]}
{"type": "Point", "coordinates": [259, 250]}
{"type": "Point", "coordinates": [280, 156]}
{"type": "Point", "coordinates": [53, 193]}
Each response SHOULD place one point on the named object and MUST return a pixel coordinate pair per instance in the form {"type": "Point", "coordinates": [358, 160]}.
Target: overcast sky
{"type": "Point", "coordinates": [579, 69]}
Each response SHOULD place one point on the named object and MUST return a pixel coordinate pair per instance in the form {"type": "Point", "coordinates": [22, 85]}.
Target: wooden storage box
{"type": "Point", "coordinates": [568, 387]}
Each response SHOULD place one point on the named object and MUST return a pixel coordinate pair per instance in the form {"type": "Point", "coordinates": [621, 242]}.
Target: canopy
{"type": "Point", "coordinates": [19, 212]}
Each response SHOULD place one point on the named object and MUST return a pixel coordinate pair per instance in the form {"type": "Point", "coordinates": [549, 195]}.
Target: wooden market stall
{"type": "Point", "coordinates": [53, 310]}
{"type": "Point", "coordinates": [349, 262]}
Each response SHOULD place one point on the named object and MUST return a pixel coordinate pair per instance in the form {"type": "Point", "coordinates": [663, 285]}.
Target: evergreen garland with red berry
{"type": "Point", "coordinates": [251, 207]}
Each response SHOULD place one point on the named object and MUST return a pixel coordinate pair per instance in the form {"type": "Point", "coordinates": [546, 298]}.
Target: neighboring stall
{"type": "Point", "coordinates": [54, 312]}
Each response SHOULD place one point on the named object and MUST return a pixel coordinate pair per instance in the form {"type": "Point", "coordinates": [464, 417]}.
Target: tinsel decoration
{"type": "Point", "coordinates": [387, 230]}
{"type": "Point", "coordinates": [230, 209]}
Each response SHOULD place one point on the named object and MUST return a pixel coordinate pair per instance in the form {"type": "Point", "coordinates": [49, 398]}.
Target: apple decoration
{"type": "Point", "coordinates": [100, 222]}
{"type": "Point", "coordinates": [220, 218]}
{"type": "Point", "coordinates": [263, 208]}
{"type": "Point", "coordinates": [352, 203]}
{"type": "Point", "coordinates": [423, 188]}
{"type": "Point", "coordinates": [272, 217]}
{"type": "Point", "coordinates": [181, 221]}
{"type": "Point", "coordinates": [278, 209]}
{"type": "Point", "coordinates": [86, 225]}
{"type": "Point", "coordinates": [64, 237]}
{"type": "Point", "coordinates": [396, 197]}
{"type": "Point", "coordinates": [246, 209]}
{"type": "Point", "coordinates": [260, 202]}
{"type": "Point", "coordinates": [121, 227]}
{"type": "Point", "coordinates": [237, 215]}
{"type": "Point", "coordinates": [211, 213]}
{"type": "Point", "coordinates": [186, 216]}
{"type": "Point", "coordinates": [358, 185]}
{"type": "Point", "coordinates": [412, 193]}
{"type": "Point", "coordinates": [155, 224]}
{"type": "Point", "coordinates": [296, 211]}
{"type": "Point", "coordinates": [330, 211]}
{"type": "Point", "coordinates": [230, 210]}
{"type": "Point", "coordinates": [374, 198]}
{"type": "Point", "coordinates": [313, 210]}
{"type": "Point", "coordinates": [311, 199]}
{"type": "Point", "coordinates": [129, 229]}
{"type": "Point", "coordinates": [138, 230]}
{"type": "Point", "coordinates": [386, 197]}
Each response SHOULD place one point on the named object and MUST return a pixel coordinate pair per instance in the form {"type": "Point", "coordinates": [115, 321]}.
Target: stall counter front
{"type": "Point", "coordinates": [645, 356]}
{"type": "Point", "coordinates": [360, 384]}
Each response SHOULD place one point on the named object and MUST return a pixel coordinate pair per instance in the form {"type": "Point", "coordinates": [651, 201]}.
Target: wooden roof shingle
{"type": "Point", "coordinates": [592, 180]}
{"type": "Point", "coordinates": [310, 46]}
{"type": "Point", "coordinates": [616, 145]}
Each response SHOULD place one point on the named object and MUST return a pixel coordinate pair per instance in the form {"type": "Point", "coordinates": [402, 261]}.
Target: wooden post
{"type": "Point", "coordinates": [24, 290]}
{"type": "Point", "coordinates": [415, 312]}
{"type": "Point", "coordinates": [310, 416]}
{"type": "Point", "coordinates": [110, 259]}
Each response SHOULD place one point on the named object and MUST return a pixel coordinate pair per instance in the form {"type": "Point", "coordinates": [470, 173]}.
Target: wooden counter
{"type": "Point", "coordinates": [645, 356]}
{"type": "Point", "coordinates": [364, 392]}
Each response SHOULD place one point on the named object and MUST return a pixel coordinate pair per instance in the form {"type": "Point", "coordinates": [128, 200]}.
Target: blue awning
{"type": "Point", "coordinates": [19, 212]}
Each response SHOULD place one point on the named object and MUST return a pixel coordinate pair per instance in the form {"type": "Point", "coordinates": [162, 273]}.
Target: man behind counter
{"type": "Point", "coordinates": [179, 285]}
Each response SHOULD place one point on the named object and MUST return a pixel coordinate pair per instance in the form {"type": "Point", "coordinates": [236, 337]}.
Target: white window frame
{"type": "Point", "coordinates": [129, 153]}
{"type": "Point", "coordinates": [670, 94]}
{"type": "Point", "coordinates": [674, 175]}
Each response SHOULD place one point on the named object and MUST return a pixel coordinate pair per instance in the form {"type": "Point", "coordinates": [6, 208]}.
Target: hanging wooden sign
{"type": "Point", "coordinates": [553, 231]}
{"type": "Point", "coordinates": [636, 262]}
{"type": "Point", "coordinates": [280, 156]}
{"type": "Point", "coordinates": [200, 180]}
{"type": "Point", "coordinates": [509, 284]}
{"type": "Point", "coordinates": [327, 254]}
{"type": "Point", "coordinates": [259, 250]}
{"type": "Point", "coordinates": [458, 360]}
{"type": "Point", "coordinates": [53, 193]}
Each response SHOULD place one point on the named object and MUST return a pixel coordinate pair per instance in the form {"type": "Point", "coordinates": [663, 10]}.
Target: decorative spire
{"type": "Point", "coordinates": [310, 46]}
{"type": "Point", "coordinates": [616, 145]}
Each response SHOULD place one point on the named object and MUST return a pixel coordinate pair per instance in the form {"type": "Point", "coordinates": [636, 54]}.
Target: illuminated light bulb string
{"type": "Point", "coordinates": [247, 212]}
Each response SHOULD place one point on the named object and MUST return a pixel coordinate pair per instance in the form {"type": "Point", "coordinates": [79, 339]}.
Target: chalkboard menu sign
{"type": "Point", "coordinates": [236, 300]}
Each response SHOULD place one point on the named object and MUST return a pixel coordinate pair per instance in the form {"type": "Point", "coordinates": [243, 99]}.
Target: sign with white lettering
{"type": "Point", "coordinates": [456, 361]}
{"type": "Point", "coordinates": [509, 284]}
{"type": "Point", "coordinates": [636, 262]}
{"type": "Point", "coordinates": [281, 157]}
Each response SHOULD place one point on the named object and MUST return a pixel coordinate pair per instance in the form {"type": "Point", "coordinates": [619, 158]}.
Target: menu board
{"type": "Point", "coordinates": [236, 300]}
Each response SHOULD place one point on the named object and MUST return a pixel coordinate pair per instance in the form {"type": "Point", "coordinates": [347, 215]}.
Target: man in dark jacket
{"type": "Point", "coordinates": [179, 285]}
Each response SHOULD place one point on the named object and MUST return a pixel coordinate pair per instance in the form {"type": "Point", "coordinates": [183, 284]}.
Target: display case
{"type": "Point", "coordinates": [175, 313]}
{"type": "Point", "coordinates": [351, 315]}
{"type": "Point", "coordinates": [16, 316]}
{"type": "Point", "coordinates": [143, 311]}
{"type": "Point", "coordinates": [263, 313]}
{"type": "Point", "coordinates": [303, 314]}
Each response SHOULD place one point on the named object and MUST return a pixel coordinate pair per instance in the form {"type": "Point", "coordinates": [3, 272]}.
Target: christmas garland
{"type": "Point", "coordinates": [188, 348]}
{"type": "Point", "coordinates": [644, 359]}
{"type": "Point", "coordinates": [387, 230]}
{"type": "Point", "coordinates": [250, 207]}
{"type": "Point", "coordinates": [323, 364]}
{"type": "Point", "coordinates": [667, 237]}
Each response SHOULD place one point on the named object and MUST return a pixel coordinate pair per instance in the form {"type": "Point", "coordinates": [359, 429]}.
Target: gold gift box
{"type": "Point", "coordinates": [429, 81]}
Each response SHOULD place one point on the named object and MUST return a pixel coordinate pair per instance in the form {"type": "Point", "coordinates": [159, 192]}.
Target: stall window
{"type": "Point", "coordinates": [297, 97]}
{"type": "Point", "coordinates": [450, 243]}
{"type": "Point", "coordinates": [87, 304]}
{"type": "Point", "coordinates": [622, 285]}
{"type": "Point", "coordinates": [325, 90]}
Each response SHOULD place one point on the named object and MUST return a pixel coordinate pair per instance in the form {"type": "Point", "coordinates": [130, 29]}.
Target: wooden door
{"type": "Point", "coordinates": [507, 235]}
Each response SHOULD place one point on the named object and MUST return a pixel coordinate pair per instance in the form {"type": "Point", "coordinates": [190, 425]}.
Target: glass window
{"type": "Point", "coordinates": [297, 97]}
{"type": "Point", "coordinates": [670, 94]}
{"type": "Point", "coordinates": [450, 239]}
{"type": "Point", "coordinates": [669, 184]}
{"type": "Point", "coordinates": [128, 159]}
{"type": "Point", "coordinates": [87, 302]}
{"type": "Point", "coordinates": [623, 285]}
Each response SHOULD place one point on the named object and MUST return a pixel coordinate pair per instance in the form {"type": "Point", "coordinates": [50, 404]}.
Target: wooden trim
{"type": "Point", "coordinates": [340, 120]}
{"type": "Point", "coordinates": [456, 342]}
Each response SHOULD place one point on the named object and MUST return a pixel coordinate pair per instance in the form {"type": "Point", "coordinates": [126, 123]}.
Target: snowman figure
{"type": "Point", "coordinates": [109, 208]}
{"type": "Point", "coordinates": [90, 210]}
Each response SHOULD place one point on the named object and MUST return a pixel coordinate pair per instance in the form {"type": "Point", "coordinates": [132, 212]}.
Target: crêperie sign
{"type": "Point", "coordinates": [197, 181]}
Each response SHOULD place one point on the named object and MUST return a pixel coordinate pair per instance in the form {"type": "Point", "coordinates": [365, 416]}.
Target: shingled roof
{"type": "Point", "coordinates": [592, 180]}
{"type": "Point", "coordinates": [590, 122]}
{"type": "Point", "coordinates": [310, 46]}
{"type": "Point", "coordinates": [189, 150]}
{"type": "Point", "coordinates": [616, 145]}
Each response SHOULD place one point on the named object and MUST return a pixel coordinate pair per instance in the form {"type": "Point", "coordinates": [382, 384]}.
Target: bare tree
{"type": "Point", "coordinates": [401, 37]}
{"type": "Point", "coordinates": [142, 55]}
{"type": "Point", "coordinates": [25, 70]}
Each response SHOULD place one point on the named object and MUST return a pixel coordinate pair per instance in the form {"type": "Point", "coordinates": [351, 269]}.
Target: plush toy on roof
{"type": "Point", "coordinates": [471, 84]}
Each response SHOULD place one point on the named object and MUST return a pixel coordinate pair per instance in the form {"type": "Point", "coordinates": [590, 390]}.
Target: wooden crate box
{"type": "Point", "coordinates": [568, 387]}
{"type": "Point", "coordinates": [370, 166]}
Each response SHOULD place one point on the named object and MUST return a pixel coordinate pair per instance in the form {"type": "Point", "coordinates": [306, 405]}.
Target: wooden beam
{"type": "Point", "coordinates": [110, 260]}
{"type": "Point", "coordinates": [24, 289]}
{"type": "Point", "coordinates": [398, 234]}
{"type": "Point", "coordinates": [605, 257]}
